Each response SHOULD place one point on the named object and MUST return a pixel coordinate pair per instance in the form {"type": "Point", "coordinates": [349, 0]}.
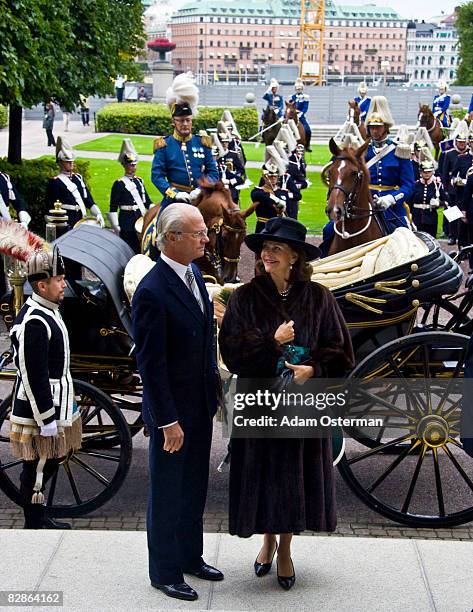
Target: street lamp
{"type": "Point", "coordinates": [385, 67]}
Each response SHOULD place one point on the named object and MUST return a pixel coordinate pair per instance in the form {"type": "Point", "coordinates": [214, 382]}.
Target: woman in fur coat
{"type": "Point", "coordinates": [280, 318]}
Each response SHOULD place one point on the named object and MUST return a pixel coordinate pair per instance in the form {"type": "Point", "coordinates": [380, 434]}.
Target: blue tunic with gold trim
{"type": "Point", "coordinates": [178, 165]}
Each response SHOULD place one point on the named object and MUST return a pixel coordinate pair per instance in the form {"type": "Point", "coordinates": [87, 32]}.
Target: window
{"type": "Point", "coordinates": [262, 45]}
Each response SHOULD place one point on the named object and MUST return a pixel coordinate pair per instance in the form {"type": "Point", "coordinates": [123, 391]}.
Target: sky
{"type": "Point", "coordinates": [413, 10]}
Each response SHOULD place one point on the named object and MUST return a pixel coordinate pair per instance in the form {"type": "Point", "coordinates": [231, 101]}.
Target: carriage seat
{"type": "Point", "coordinates": [367, 260]}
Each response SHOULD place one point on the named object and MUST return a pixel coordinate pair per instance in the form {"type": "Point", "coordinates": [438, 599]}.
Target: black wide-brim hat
{"type": "Point", "coordinates": [286, 230]}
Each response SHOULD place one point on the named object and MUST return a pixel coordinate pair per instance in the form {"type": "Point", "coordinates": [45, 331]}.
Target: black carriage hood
{"type": "Point", "coordinates": [104, 254]}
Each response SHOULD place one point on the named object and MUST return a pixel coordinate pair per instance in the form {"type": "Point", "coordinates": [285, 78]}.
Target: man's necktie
{"type": "Point", "coordinates": [194, 289]}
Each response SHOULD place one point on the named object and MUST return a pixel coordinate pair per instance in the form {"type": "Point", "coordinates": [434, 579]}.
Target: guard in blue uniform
{"type": "Point", "coordinates": [427, 197]}
{"type": "Point", "coordinates": [182, 159]}
{"type": "Point", "coordinates": [128, 195]}
{"type": "Point", "coordinates": [441, 104]}
{"type": "Point", "coordinates": [301, 101]}
{"type": "Point", "coordinates": [69, 188]}
{"type": "Point", "coordinates": [456, 163]}
{"type": "Point", "coordinates": [363, 101]}
{"type": "Point", "coordinates": [297, 167]}
{"type": "Point", "coordinates": [270, 198]}
{"type": "Point", "coordinates": [230, 179]}
{"type": "Point", "coordinates": [391, 175]}
{"type": "Point", "coordinates": [274, 99]}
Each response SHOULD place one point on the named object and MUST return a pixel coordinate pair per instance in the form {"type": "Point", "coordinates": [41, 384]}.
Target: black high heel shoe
{"type": "Point", "coordinates": [286, 582]}
{"type": "Point", "coordinates": [261, 569]}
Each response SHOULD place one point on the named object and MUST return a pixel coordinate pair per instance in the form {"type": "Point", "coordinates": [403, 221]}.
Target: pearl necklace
{"type": "Point", "coordinates": [285, 293]}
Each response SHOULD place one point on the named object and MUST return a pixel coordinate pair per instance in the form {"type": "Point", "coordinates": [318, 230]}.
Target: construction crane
{"type": "Point", "coordinates": [312, 41]}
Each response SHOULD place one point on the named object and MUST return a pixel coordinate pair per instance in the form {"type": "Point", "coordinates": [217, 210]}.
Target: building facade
{"type": "Point", "coordinates": [221, 36]}
{"type": "Point", "coordinates": [432, 51]}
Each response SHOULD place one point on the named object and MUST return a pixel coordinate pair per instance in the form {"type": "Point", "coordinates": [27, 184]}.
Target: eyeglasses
{"type": "Point", "coordinates": [200, 234]}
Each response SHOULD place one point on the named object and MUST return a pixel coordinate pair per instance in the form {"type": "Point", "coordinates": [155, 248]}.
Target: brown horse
{"type": "Point", "coordinates": [291, 113]}
{"type": "Point", "coordinates": [226, 226]}
{"type": "Point", "coordinates": [270, 118]}
{"type": "Point", "coordinates": [349, 202]}
{"type": "Point", "coordinates": [432, 124]}
{"type": "Point", "coordinates": [354, 114]}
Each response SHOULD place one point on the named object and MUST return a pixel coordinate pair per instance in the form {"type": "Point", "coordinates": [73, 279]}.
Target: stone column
{"type": "Point", "coordinates": [163, 75]}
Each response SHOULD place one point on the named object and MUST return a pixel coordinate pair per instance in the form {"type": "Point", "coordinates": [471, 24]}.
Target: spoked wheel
{"type": "Point", "coordinates": [87, 478]}
{"type": "Point", "coordinates": [414, 470]}
{"type": "Point", "coordinates": [441, 315]}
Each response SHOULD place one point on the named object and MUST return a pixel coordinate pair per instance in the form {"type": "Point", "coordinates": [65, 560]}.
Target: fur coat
{"type": "Point", "coordinates": [282, 485]}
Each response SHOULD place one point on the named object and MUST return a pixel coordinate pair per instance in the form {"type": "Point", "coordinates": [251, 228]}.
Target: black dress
{"type": "Point", "coordinates": [282, 485]}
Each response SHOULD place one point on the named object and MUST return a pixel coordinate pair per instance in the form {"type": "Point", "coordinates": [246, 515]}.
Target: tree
{"type": "Point", "coordinates": [58, 50]}
{"type": "Point", "coordinates": [464, 25]}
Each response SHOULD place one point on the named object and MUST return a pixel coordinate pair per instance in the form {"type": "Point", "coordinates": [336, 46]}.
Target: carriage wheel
{"type": "Point", "coordinates": [441, 315]}
{"type": "Point", "coordinates": [88, 478]}
{"type": "Point", "coordinates": [415, 471]}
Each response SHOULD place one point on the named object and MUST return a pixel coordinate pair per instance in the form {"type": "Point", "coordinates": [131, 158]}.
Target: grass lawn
{"type": "Point", "coordinates": [144, 146]}
{"type": "Point", "coordinates": [104, 172]}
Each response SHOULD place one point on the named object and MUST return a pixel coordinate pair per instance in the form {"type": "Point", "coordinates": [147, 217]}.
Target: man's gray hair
{"type": "Point", "coordinates": [170, 220]}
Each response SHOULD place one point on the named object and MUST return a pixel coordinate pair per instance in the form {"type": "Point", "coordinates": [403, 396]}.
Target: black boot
{"type": "Point", "coordinates": [49, 523]}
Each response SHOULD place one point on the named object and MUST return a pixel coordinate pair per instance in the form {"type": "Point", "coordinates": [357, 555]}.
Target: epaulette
{"type": "Point", "coordinates": [206, 141]}
{"type": "Point", "coordinates": [159, 143]}
{"type": "Point", "coordinates": [403, 151]}
{"type": "Point", "coordinates": [306, 96]}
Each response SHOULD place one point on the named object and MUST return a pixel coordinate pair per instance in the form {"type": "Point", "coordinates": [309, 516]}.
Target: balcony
{"type": "Point", "coordinates": [371, 51]}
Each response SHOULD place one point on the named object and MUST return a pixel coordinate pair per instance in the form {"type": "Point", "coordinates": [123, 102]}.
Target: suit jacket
{"type": "Point", "coordinates": [175, 349]}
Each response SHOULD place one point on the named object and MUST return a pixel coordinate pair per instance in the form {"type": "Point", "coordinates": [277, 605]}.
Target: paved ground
{"type": "Point", "coordinates": [108, 571]}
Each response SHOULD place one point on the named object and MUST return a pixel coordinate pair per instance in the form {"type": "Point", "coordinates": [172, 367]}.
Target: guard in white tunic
{"type": "Point", "coordinates": [45, 421]}
{"type": "Point", "coordinates": [128, 195]}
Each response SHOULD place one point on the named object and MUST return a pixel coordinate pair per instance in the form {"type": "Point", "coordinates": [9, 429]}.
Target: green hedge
{"type": "Point", "coordinates": [145, 118]}
{"type": "Point", "coordinates": [460, 112]}
{"type": "Point", "coordinates": [30, 178]}
{"type": "Point", "coordinates": [3, 116]}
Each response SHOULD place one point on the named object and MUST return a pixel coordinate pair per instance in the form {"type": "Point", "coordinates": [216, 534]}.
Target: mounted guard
{"type": "Point", "coordinates": [363, 101]}
{"type": "Point", "coordinates": [182, 159]}
{"type": "Point", "coordinates": [128, 195]}
{"type": "Point", "coordinates": [440, 105]}
{"type": "Point", "coordinates": [301, 102]}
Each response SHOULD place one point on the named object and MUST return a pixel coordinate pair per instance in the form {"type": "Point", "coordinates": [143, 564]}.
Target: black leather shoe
{"type": "Point", "coordinates": [309, 150]}
{"type": "Point", "coordinates": [261, 569]}
{"type": "Point", "coordinates": [287, 582]}
{"type": "Point", "coordinates": [179, 591]}
{"type": "Point", "coordinates": [452, 241]}
{"type": "Point", "coordinates": [49, 523]}
{"type": "Point", "coordinates": [206, 572]}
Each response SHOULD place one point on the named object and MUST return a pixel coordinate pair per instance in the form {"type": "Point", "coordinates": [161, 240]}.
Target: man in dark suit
{"type": "Point", "coordinates": [173, 332]}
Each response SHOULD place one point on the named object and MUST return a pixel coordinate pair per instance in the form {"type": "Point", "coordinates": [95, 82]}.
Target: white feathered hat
{"type": "Point", "coordinates": [442, 85]}
{"type": "Point", "coordinates": [362, 88]}
{"type": "Point", "coordinates": [128, 154]}
{"type": "Point", "coordinates": [298, 84]}
{"type": "Point", "coordinates": [272, 158]}
{"type": "Point", "coordinates": [183, 96]}
{"type": "Point", "coordinates": [461, 131]}
{"type": "Point", "coordinates": [64, 151]}
{"type": "Point", "coordinates": [379, 113]}
{"type": "Point", "coordinates": [273, 83]}
{"type": "Point", "coordinates": [422, 139]}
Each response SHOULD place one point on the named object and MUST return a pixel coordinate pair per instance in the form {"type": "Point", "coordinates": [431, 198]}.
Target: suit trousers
{"type": "Point", "coordinates": [178, 490]}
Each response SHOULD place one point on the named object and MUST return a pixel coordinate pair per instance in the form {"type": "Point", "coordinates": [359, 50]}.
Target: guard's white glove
{"type": "Point", "coordinates": [225, 181]}
{"type": "Point", "coordinates": [95, 210]}
{"type": "Point", "coordinates": [113, 216]}
{"type": "Point", "coordinates": [384, 202]}
{"type": "Point", "coordinates": [49, 430]}
{"type": "Point", "coordinates": [459, 181]}
{"type": "Point", "coordinates": [194, 194]}
{"type": "Point", "coordinates": [434, 203]}
{"type": "Point", "coordinates": [183, 196]}
{"type": "Point", "coordinates": [24, 218]}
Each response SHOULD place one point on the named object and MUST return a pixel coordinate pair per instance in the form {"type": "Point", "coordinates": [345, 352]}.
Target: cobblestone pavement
{"type": "Point", "coordinates": [127, 510]}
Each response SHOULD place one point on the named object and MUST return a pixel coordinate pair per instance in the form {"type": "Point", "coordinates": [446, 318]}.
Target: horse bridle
{"type": "Point", "coordinates": [434, 124]}
{"type": "Point", "coordinates": [349, 203]}
{"type": "Point", "coordinates": [233, 230]}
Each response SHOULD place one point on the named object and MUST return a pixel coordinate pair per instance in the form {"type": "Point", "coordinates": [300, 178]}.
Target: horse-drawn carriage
{"type": "Point", "coordinates": [380, 311]}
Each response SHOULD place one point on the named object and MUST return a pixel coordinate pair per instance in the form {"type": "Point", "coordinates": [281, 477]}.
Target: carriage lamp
{"type": "Point", "coordinates": [16, 273]}
{"type": "Point", "coordinates": [56, 222]}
